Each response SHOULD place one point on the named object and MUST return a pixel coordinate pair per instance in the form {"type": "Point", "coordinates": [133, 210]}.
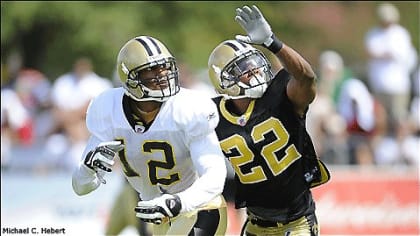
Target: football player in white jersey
{"type": "Point", "coordinates": [164, 137]}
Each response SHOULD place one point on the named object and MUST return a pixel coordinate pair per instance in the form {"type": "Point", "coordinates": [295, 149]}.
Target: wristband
{"type": "Point", "coordinates": [273, 44]}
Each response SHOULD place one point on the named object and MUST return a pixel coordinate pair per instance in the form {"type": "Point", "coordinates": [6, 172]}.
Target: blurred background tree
{"type": "Point", "coordinates": [51, 35]}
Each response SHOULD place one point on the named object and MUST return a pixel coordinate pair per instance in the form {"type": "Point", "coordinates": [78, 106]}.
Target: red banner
{"type": "Point", "coordinates": [369, 202]}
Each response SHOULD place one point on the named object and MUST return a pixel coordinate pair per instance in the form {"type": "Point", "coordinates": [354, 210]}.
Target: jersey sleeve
{"type": "Point", "coordinates": [98, 117]}
{"type": "Point", "coordinates": [198, 116]}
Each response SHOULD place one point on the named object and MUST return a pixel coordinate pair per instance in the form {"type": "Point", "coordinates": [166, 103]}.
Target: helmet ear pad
{"type": "Point", "coordinates": [144, 53]}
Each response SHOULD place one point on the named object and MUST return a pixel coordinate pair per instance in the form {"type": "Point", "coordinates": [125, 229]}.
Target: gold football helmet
{"type": "Point", "coordinates": [145, 53]}
{"type": "Point", "coordinates": [232, 61]}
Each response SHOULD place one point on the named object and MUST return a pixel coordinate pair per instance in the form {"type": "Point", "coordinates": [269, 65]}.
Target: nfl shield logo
{"type": "Point", "coordinates": [242, 121]}
{"type": "Point", "coordinates": [139, 128]}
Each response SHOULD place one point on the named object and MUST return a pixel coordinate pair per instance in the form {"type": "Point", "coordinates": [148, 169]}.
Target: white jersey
{"type": "Point", "coordinates": [179, 153]}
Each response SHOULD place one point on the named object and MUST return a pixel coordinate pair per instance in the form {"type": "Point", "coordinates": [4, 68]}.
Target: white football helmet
{"type": "Point", "coordinates": [145, 53]}
{"type": "Point", "coordinates": [230, 61]}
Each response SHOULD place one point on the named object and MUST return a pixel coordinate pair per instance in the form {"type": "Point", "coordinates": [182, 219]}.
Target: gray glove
{"type": "Point", "coordinates": [258, 30]}
{"type": "Point", "coordinates": [102, 157]}
{"type": "Point", "coordinates": [159, 209]}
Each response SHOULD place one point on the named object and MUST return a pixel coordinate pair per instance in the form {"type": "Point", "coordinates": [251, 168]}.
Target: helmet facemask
{"type": "Point", "coordinates": [140, 89]}
{"type": "Point", "coordinates": [250, 64]}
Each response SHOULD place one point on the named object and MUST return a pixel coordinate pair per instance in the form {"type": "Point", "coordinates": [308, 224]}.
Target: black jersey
{"type": "Point", "coordinates": [267, 146]}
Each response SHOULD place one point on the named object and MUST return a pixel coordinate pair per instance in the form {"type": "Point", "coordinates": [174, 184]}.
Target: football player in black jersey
{"type": "Point", "coordinates": [262, 129]}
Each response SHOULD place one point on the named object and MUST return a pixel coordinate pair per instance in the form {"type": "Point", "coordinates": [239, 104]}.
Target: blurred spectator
{"type": "Point", "coordinates": [323, 122]}
{"type": "Point", "coordinates": [357, 106]}
{"type": "Point", "coordinates": [404, 146]}
{"type": "Point", "coordinates": [33, 88]}
{"type": "Point", "coordinates": [16, 124]}
{"type": "Point", "coordinates": [392, 59]}
{"type": "Point", "coordinates": [333, 73]}
{"type": "Point", "coordinates": [70, 97]}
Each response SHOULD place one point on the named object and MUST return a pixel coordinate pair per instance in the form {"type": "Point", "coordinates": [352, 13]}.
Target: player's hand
{"type": "Point", "coordinates": [102, 157]}
{"type": "Point", "coordinates": [156, 210]}
{"type": "Point", "coordinates": [255, 25]}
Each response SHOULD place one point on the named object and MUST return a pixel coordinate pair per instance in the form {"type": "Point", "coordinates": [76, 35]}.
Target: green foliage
{"type": "Point", "coordinates": [51, 35]}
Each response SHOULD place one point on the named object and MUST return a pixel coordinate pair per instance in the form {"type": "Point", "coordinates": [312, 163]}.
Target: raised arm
{"type": "Point", "coordinates": [301, 89]}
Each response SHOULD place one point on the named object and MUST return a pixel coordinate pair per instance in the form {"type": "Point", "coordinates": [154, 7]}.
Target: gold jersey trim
{"type": "Point", "coordinates": [236, 120]}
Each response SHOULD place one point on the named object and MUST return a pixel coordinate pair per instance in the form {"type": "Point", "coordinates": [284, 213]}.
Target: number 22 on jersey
{"type": "Point", "coordinates": [237, 144]}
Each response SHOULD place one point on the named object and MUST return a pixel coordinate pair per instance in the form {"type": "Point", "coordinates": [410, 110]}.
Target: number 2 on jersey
{"type": "Point", "coordinates": [168, 163]}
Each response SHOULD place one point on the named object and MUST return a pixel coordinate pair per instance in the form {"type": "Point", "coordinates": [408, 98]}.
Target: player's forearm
{"type": "Point", "coordinates": [295, 64]}
{"type": "Point", "coordinates": [209, 161]}
{"type": "Point", "coordinates": [206, 188]}
{"type": "Point", "coordinates": [84, 180]}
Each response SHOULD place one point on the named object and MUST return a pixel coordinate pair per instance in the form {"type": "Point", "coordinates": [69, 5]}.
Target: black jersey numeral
{"type": "Point", "coordinates": [128, 171]}
{"type": "Point", "coordinates": [237, 144]}
{"type": "Point", "coordinates": [153, 165]}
